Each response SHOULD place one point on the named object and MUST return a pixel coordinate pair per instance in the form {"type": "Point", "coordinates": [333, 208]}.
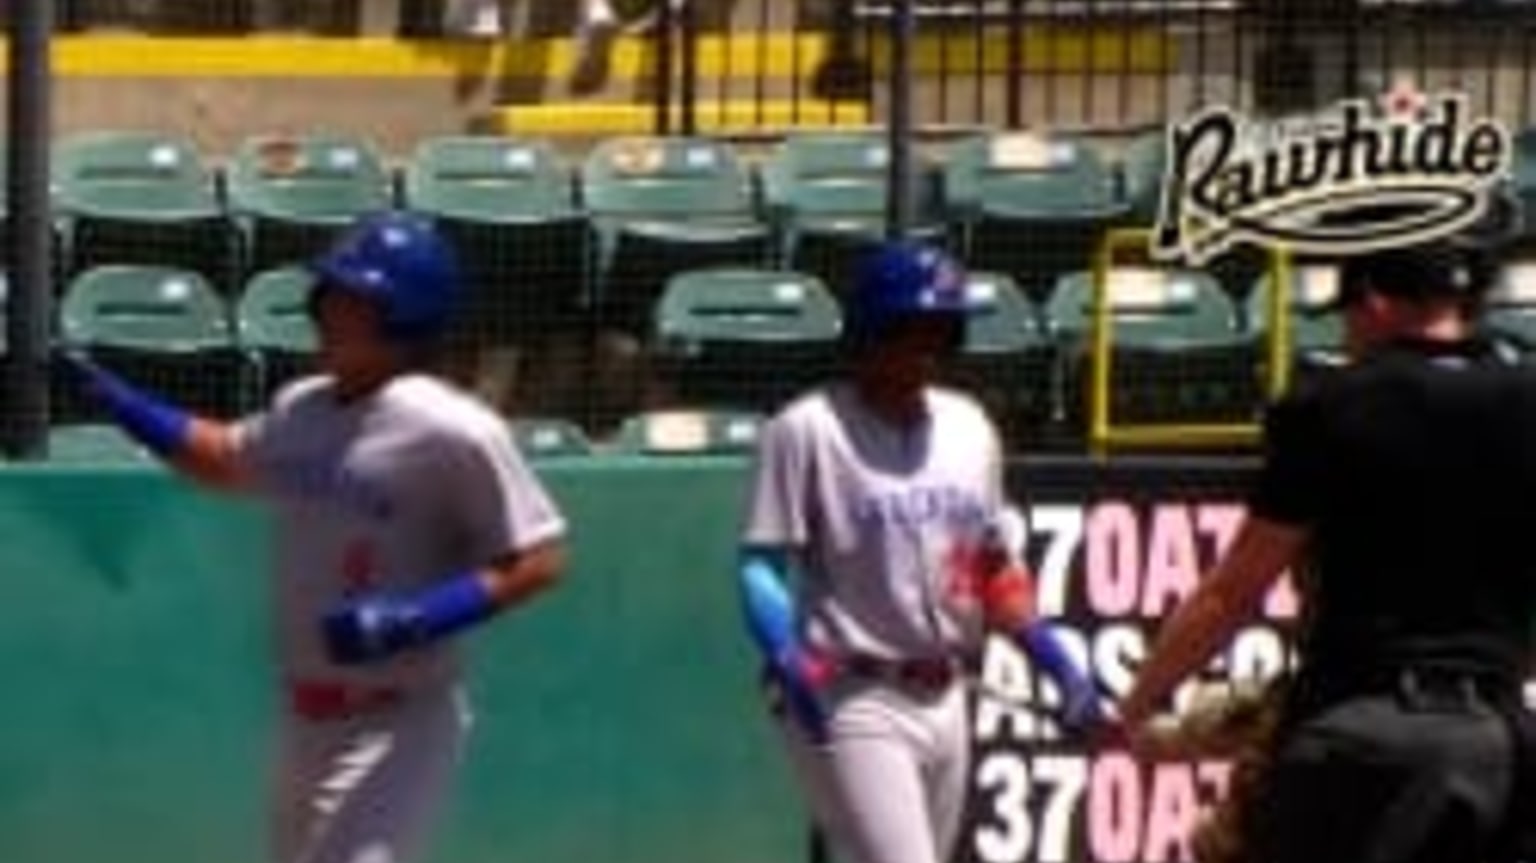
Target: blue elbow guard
{"type": "Point", "coordinates": [458, 603]}
{"type": "Point", "coordinates": [1080, 695]}
{"type": "Point", "coordinates": [769, 610]}
{"type": "Point", "coordinates": [770, 617]}
{"type": "Point", "coordinates": [162, 427]}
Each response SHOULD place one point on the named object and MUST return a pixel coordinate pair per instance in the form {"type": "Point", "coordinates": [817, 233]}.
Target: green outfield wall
{"type": "Point", "coordinates": [617, 719]}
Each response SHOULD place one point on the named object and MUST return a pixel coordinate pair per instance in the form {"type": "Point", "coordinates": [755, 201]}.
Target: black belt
{"type": "Point", "coordinates": [1426, 686]}
{"type": "Point", "coordinates": [928, 672]}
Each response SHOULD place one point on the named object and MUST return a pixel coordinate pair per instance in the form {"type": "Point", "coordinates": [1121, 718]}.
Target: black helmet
{"type": "Point", "coordinates": [1462, 265]}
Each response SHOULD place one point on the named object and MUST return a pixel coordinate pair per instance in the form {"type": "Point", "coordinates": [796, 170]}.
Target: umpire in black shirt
{"type": "Point", "coordinates": [1405, 483]}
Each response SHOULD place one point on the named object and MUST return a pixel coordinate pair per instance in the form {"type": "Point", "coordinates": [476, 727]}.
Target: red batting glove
{"type": "Point", "coordinates": [1008, 598]}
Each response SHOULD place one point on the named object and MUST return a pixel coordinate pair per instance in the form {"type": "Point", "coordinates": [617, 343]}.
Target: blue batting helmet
{"type": "Point", "coordinates": [900, 280]}
{"type": "Point", "coordinates": [402, 263]}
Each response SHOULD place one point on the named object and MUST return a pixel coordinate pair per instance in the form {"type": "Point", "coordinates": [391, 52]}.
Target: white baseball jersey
{"type": "Point", "coordinates": [390, 492]}
{"type": "Point", "coordinates": [887, 520]}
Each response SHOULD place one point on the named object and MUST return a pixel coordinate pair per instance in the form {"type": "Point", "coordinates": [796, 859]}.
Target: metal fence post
{"type": "Point", "coordinates": [899, 203]}
{"type": "Point", "coordinates": [29, 300]}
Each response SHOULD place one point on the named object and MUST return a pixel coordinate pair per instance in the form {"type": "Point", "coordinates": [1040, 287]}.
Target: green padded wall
{"type": "Point", "coordinates": [617, 718]}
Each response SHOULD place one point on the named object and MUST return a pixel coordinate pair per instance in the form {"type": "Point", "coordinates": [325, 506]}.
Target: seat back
{"type": "Point", "coordinates": [1177, 353]}
{"type": "Point", "coordinates": [689, 431]}
{"type": "Point", "coordinates": [666, 178]}
{"type": "Point", "coordinates": [1027, 174]}
{"type": "Point", "coordinates": [94, 443]}
{"type": "Point", "coordinates": [274, 329]}
{"type": "Point", "coordinates": [141, 197]}
{"type": "Point", "coordinates": [320, 178]}
{"type": "Point", "coordinates": [133, 174]}
{"type": "Point", "coordinates": [747, 338]}
{"type": "Point", "coordinates": [488, 179]}
{"type": "Point", "coordinates": [167, 328]}
{"type": "Point", "coordinates": [157, 309]}
{"type": "Point", "coordinates": [293, 194]}
{"type": "Point", "coordinates": [550, 437]}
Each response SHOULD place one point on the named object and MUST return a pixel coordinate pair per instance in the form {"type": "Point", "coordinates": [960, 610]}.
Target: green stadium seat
{"type": "Point", "coordinates": [1029, 205]}
{"type": "Point", "coordinates": [291, 195]}
{"type": "Point", "coordinates": [1142, 167]}
{"type": "Point", "coordinates": [510, 205]}
{"type": "Point", "coordinates": [94, 444]}
{"type": "Point", "coordinates": [274, 330]}
{"type": "Point", "coordinates": [1317, 331]}
{"type": "Point", "coordinates": [1007, 360]}
{"type": "Point", "coordinates": [130, 197]}
{"type": "Point", "coordinates": [1177, 353]}
{"type": "Point", "coordinates": [662, 206]}
{"type": "Point", "coordinates": [167, 329]}
{"type": "Point", "coordinates": [1523, 177]}
{"type": "Point", "coordinates": [550, 437]}
{"type": "Point", "coordinates": [749, 338]}
{"type": "Point", "coordinates": [689, 431]}
{"type": "Point", "coordinates": [826, 195]}
{"type": "Point", "coordinates": [1509, 314]}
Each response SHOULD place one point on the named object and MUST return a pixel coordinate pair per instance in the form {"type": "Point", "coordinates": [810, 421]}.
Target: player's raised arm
{"type": "Point", "coordinates": [200, 448]}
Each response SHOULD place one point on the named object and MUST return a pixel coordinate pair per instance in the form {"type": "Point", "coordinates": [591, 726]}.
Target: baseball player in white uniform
{"type": "Point", "coordinates": [871, 569]}
{"type": "Point", "coordinates": [403, 514]}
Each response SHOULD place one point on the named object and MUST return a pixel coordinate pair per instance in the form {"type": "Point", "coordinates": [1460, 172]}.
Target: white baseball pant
{"type": "Point", "coordinates": [889, 784]}
{"type": "Point", "coordinates": [368, 788]}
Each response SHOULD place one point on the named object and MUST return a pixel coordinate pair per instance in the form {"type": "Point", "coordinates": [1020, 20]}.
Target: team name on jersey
{"type": "Point", "coordinates": [325, 481]}
{"type": "Point", "coordinates": [922, 505]}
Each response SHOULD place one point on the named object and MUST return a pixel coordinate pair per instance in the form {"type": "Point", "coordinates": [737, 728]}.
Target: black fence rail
{"type": "Point", "coordinates": [1063, 64]}
{"type": "Point", "coordinates": [1107, 65]}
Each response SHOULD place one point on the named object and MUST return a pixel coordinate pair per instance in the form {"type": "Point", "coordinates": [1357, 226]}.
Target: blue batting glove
{"type": "Point", "coordinates": [799, 679]}
{"type": "Point", "coordinates": [1081, 707]}
{"type": "Point", "coordinates": [378, 626]}
{"type": "Point", "coordinates": [372, 628]}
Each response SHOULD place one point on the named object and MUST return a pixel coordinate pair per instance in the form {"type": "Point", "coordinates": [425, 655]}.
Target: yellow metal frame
{"type": "Point", "coordinates": [1103, 434]}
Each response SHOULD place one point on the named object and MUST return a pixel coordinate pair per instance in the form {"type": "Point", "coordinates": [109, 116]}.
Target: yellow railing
{"type": "Point", "coordinates": [1104, 434]}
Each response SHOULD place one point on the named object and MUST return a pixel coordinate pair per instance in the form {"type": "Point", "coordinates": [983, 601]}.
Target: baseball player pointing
{"type": "Point", "coordinates": [870, 570]}
{"type": "Point", "coordinates": [403, 515]}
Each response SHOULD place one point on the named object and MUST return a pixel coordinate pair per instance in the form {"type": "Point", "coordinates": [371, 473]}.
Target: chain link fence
{"type": "Point", "coordinates": [617, 275]}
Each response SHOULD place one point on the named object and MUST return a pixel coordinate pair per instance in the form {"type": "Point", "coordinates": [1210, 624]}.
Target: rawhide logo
{"type": "Point", "coordinates": [1363, 176]}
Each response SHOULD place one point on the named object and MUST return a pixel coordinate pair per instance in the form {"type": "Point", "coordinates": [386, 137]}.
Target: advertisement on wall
{"type": "Point", "coordinates": [1117, 546]}
{"type": "Point", "coordinates": [1114, 550]}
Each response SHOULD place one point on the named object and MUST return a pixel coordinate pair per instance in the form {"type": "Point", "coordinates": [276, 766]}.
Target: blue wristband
{"type": "Point", "coordinates": [1044, 646]}
{"type": "Point", "coordinates": [162, 427]}
{"type": "Point", "coordinates": [457, 603]}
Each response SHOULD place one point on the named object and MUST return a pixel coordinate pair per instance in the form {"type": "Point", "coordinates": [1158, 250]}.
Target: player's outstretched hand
{"type": "Point", "coordinates": [165, 429]}
{"type": "Point", "coordinates": [88, 376]}
{"type": "Point", "coordinates": [372, 628]}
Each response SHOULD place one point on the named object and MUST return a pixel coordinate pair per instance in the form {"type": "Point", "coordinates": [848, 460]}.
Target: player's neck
{"type": "Point", "coordinates": [900, 406]}
{"type": "Point", "coordinates": [361, 385]}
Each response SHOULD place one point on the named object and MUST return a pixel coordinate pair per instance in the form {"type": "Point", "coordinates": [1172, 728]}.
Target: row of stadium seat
{"type": "Point", "coordinates": [547, 243]}
{"type": "Point", "coordinates": [746, 340]}
{"type": "Point", "coordinates": [545, 237]}
{"type": "Point", "coordinates": [676, 432]}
